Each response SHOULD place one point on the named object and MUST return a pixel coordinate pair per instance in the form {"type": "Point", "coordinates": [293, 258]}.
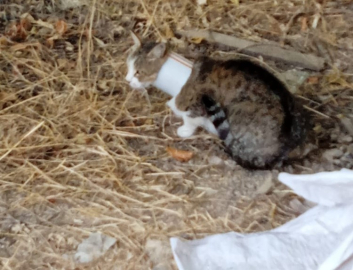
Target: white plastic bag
{"type": "Point", "coordinates": [321, 238]}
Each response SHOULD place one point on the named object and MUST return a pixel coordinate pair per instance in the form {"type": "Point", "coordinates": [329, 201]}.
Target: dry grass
{"type": "Point", "coordinates": [80, 152]}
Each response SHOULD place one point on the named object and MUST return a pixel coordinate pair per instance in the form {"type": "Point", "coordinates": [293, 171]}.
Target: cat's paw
{"type": "Point", "coordinates": [185, 131]}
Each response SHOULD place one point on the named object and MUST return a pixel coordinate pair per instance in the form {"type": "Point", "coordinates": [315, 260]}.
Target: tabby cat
{"type": "Point", "coordinates": [248, 107]}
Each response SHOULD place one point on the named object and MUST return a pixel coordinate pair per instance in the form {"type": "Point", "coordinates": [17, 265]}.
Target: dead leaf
{"type": "Point", "coordinates": [5, 96]}
{"type": "Point", "coordinates": [44, 24]}
{"type": "Point", "coordinates": [4, 40]}
{"type": "Point", "coordinates": [28, 17]}
{"type": "Point", "coordinates": [168, 32]}
{"type": "Point", "coordinates": [50, 41]}
{"type": "Point", "coordinates": [88, 33]}
{"type": "Point", "coordinates": [313, 80]}
{"type": "Point", "coordinates": [21, 46]}
{"type": "Point", "coordinates": [318, 128]}
{"type": "Point", "coordinates": [127, 123]}
{"type": "Point", "coordinates": [62, 62]}
{"type": "Point", "coordinates": [336, 77]}
{"type": "Point", "coordinates": [52, 200]}
{"type": "Point", "coordinates": [235, 2]}
{"type": "Point", "coordinates": [26, 24]}
{"type": "Point", "coordinates": [149, 121]}
{"type": "Point", "coordinates": [180, 155]}
{"type": "Point", "coordinates": [61, 27]}
{"type": "Point", "coordinates": [197, 40]}
{"type": "Point", "coordinates": [100, 42]}
{"type": "Point", "coordinates": [16, 32]}
{"type": "Point", "coordinates": [304, 22]}
{"type": "Point", "coordinates": [80, 138]}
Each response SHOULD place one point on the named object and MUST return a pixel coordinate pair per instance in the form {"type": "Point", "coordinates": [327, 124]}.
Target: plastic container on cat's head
{"type": "Point", "coordinates": [174, 74]}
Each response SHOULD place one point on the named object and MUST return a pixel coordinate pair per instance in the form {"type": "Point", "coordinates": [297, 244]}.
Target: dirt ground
{"type": "Point", "coordinates": [80, 152]}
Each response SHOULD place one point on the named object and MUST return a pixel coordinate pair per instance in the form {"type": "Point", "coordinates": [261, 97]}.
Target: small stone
{"type": "Point", "coordinates": [17, 228]}
{"type": "Point", "coordinates": [332, 154]}
{"type": "Point", "coordinates": [345, 139]}
{"type": "Point", "coordinates": [294, 79]}
{"type": "Point", "coordinates": [93, 247]}
{"type": "Point", "coordinates": [266, 185]}
{"type": "Point", "coordinates": [350, 149]}
{"type": "Point", "coordinates": [337, 162]}
{"type": "Point", "coordinates": [237, 193]}
{"type": "Point", "coordinates": [333, 136]}
{"type": "Point", "coordinates": [307, 163]}
{"type": "Point", "coordinates": [66, 4]}
{"type": "Point", "coordinates": [348, 124]}
{"type": "Point", "coordinates": [230, 163]}
{"type": "Point", "coordinates": [214, 160]}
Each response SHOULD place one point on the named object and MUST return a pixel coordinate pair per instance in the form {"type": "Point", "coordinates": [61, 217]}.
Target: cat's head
{"type": "Point", "coordinates": [144, 62]}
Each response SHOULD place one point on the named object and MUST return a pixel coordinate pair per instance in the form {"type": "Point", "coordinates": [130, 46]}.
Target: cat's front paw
{"type": "Point", "coordinates": [185, 131]}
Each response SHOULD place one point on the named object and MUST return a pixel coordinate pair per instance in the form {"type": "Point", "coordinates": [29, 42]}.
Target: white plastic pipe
{"type": "Point", "coordinates": [174, 74]}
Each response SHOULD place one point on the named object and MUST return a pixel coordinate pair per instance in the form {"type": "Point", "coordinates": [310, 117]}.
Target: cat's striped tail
{"type": "Point", "coordinates": [219, 119]}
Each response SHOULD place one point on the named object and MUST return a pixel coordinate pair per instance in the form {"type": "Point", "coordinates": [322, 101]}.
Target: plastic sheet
{"type": "Point", "coordinates": [321, 238]}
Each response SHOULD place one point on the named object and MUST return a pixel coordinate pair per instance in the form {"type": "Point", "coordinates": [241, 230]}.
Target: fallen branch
{"type": "Point", "coordinates": [307, 61]}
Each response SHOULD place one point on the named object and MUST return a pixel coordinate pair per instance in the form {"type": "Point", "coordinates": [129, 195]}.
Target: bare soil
{"type": "Point", "coordinates": [81, 152]}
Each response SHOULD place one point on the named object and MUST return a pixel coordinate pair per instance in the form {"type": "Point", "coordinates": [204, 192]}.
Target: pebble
{"type": "Point", "coordinates": [332, 154]}
{"type": "Point", "coordinates": [348, 124]}
{"type": "Point", "coordinates": [214, 160]}
{"type": "Point", "coordinates": [266, 185]}
{"type": "Point", "coordinates": [350, 149]}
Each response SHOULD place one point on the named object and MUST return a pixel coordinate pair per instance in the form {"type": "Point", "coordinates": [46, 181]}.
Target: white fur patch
{"type": "Point", "coordinates": [186, 131]}
{"type": "Point", "coordinates": [171, 104]}
{"type": "Point", "coordinates": [189, 126]}
{"type": "Point", "coordinates": [130, 76]}
{"type": "Point", "coordinates": [224, 125]}
{"type": "Point", "coordinates": [228, 139]}
{"type": "Point", "coordinates": [220, 114]}
{"type": "Point", "coordinates": [209, 126]}
{"type": "Point", "coordinates": [213, 108]}
{"type": "Point", "coordinates": [190, 123]}
{"type": "Point", "coordinates": [136, 84]}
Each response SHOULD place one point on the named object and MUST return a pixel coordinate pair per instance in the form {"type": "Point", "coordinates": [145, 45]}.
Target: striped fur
{"type": "Point", "coordinates": [249, 108]}
{"type": "Point", "coordinates": [218, 117]}
{"type": "Point", "coordinates": [257, 118]}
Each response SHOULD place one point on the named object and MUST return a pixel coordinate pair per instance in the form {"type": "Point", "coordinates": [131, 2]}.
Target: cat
{"type": "Point", "coordinates": [244, 104]}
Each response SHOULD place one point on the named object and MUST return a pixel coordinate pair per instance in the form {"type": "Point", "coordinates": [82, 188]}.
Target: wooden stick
{"type": "Point", "coordinates": [307, 61]}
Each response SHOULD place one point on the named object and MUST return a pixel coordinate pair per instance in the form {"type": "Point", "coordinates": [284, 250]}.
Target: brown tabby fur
{"type": "Point", "coordinates": [264, 121]}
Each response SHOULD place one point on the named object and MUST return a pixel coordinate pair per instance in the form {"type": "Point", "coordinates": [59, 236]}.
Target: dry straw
{"type": "Point", "coordinates": [80, 152]}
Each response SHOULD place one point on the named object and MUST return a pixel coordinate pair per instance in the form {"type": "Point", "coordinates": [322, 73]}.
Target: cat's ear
{"type": "Point", "coordinates": [136, 39]}
{"type": "Point", "coordinates": [158, 51]}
